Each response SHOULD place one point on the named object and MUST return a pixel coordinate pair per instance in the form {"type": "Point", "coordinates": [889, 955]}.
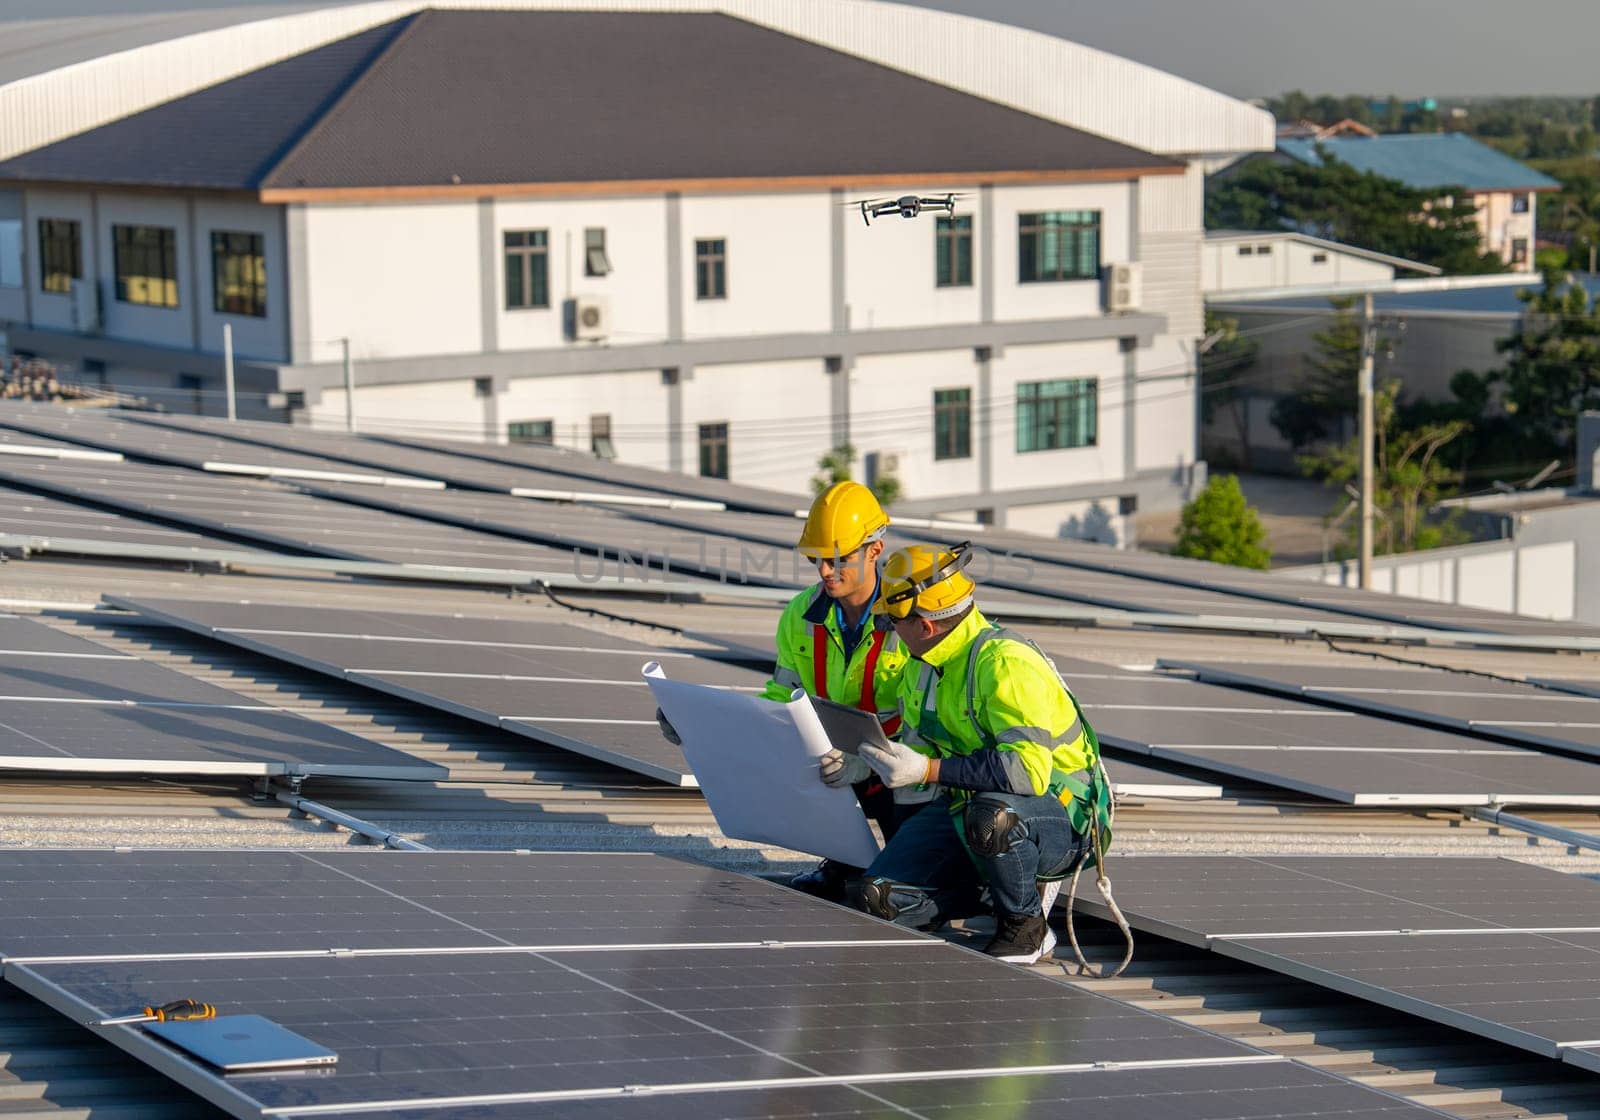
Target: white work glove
{"type": "Point", "coordinates": [840, 769]}
{"type": "Point", "coordinates": [668, 732]}
{"type": "Point", "coordinates": [898, 766]}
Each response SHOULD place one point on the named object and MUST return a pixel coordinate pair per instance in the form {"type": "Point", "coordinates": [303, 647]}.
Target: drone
{"type": "Point", "coordinates": [907, 206]}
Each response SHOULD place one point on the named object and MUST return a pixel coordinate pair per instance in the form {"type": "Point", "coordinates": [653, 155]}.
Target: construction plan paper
{"type": "Point", "coordinates": [756, 762]}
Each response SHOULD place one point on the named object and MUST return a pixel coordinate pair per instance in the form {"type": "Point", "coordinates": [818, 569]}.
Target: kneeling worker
{"type": "Point", "coordinates": [832, 645]}
{"type": "Point", "coordinates": [986, 718]}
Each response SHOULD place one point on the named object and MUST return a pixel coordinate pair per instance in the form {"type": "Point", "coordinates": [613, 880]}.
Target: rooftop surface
{"type": "Point", "coordinates": [1425, 160]}
{"type": "Point", "coordinates": [444, 99]}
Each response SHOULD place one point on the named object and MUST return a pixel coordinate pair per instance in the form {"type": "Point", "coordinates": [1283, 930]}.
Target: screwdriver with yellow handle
{"type": "Point", "coordinates": [176, 1011]}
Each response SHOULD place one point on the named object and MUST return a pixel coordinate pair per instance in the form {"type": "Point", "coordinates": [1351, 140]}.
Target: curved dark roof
{"type": "Point", "coordinates": [500, 98]}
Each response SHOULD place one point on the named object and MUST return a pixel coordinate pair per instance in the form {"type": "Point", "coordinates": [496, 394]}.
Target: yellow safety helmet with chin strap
{"type": "Point", "coordinates": [925, 581]}
{"type": "Point", "coordinates": [844, 517]}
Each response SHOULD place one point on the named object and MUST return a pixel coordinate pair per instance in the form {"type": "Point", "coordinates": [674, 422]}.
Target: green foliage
{"type": "Point", "coordinates": [835, 466]}
{"type": "Point", "coordinates": [1409, 476]}
{"type": "Point", "coordinates": [1325, 403]}
{"type": "Point", "coordinates": [1552, 369]}
{"type": "Point", "coordinates": [1220, 526]}
{"type": "Point", "coordinates": [1337, 202]}
{"type": "Point", "coordinates": [1224, 366]}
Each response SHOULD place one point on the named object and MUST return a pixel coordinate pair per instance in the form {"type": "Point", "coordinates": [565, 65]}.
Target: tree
{"type": "Point", "coordinates": [1409, 475]}
{"type": "Point", "coordinates": [1220, 526]}
{"type": "Point", "coordinates": [1322, 407]}
{"type": "Point", "coordinates": [835, 467]}
{"type": "Point", "coordinates": [1223, 364]}
{"type": "Point", "coordinates": [1552, 370]}
{"type": "Point", "coordinates": [1337, 202]}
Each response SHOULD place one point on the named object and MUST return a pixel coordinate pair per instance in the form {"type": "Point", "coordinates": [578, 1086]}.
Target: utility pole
{"type": "Point", "coordinates": [1369, 347]}
{"type": "Point", "coordinates": [349, 389]}
{"type": "Point", "coordinates": [227, 368]}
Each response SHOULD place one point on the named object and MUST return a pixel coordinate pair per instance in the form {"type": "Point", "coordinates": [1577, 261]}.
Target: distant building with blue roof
{"type": "Point", "coordinates": [1501, 188]}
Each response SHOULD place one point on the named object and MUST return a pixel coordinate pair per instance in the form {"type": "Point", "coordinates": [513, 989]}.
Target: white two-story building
{"type": "Point", "coordinates": [638, 231]}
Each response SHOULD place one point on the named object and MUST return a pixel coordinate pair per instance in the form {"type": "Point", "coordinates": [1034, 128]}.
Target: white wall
{"type": "Point", "coordinates": [1288, 262]}
{"type": "Point", "coordinates": [890, 276]}
{"type": "Point", "coordinates": [777, 414]}
{"type": "Point", "coordinates": [447, 409]}
{"type": "Point", "coordinates": [891, 405]}
{"type": "Point", "coordinates": [1103, 462]}
{"type": "Point", "coordinates": [398, 279]}
{"type": "Point", "coordinates": [1096, 519]}
{"type": "Point", "coordinates": [636, 243]}
{"type": "Point", "coordinates": [1164, 405]}
{"type": "Point", "coordinates": [636, 403]}
{"type": "Point", "coordinates": [779, 263]}
{"type": "Point", "coordinates": [1060, 299]}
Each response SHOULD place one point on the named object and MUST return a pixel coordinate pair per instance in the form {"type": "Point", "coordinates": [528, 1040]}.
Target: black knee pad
{"type": "Point", "coordinates": [872, 896]}
{"type": "Point", "coordinates": [990, 823]}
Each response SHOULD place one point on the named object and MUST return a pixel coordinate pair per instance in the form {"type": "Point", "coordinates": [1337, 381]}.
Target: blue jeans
{"type": "Point", "coordinates": [936, 879]}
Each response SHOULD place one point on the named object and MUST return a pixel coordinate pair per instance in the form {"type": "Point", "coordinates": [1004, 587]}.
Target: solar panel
{"type": "Point", "coordinates": [1342, 756]}
{"type": "Point", "coordinates": [578, 690]}
{"type": "Point", "coordinates": [1576, 687]}
{"type": "Point", "coordinates": [734, 495]}
{"type": "Point", "coordinates": [1523, 713]}
{"type": "Point", "coordinates": [65, 524]}
{"type": "Point", "coordinates": [84, 903]}
{"type": "Point", "coordinates": [73, 706]}
{"type": "Point", "coordinates": [1255, 1091]}
{"type": "Point", "coordinates": [33, 445]}
{"type": "Point", "coordinates": [607, 534]}
{"type": "Point", "coordinates": [1131, 780]}
{"type": "Point", "coordinates": [1500, 949]}
{"type": "Point", "coordinates": [271, 514]}
{"type": "Point", "coordinates": [113, 432]}
{"type": "Point", "coordinates": [416, 1029]}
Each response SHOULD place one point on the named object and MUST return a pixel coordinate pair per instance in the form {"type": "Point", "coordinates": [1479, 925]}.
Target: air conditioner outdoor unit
{"type": "Point", "coordinates": [591, 318]}
{"type": "Point", "coordinates": [85, 307]}
{"type": "Point", "coordinates": [1124, 286]}
{"type": "Point", "coordinates": [888, 461]}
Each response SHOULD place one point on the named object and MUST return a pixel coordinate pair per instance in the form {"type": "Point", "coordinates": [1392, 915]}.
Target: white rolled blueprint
{"type": "Point", "coordinates": [756, 762]}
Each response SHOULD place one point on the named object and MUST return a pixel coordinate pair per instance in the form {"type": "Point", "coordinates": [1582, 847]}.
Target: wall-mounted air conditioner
{"type": "Point", "coordinates": [588, 318]}
{"type": "Point", "coordinates": [1124, 286]}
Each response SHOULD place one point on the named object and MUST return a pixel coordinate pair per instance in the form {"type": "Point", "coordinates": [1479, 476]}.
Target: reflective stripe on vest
{"type": "Point", "coordinates": [868, 701]}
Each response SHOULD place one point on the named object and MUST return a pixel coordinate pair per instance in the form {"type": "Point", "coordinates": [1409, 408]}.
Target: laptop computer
{"type": "Point", "coordinates": [238, 1043]}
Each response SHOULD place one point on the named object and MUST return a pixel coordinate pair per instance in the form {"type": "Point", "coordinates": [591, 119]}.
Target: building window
{"type": "Point", "coordinates": [1058, 245]}
{"type": "Point", "coordinates": [714, 450]}
{"type": "Point", "coordinates": [595, 261]}
{"type": "Point", "coordinates": [1057, 414]}
{"type": "Point", "coordinates": [1319, 258]}
{"type": "Point", "coordinates": [600, 436]}
{"type": "Point", "coordinates": [952, 423]}
{"type": "Point", "coordinates": [711, 272]}
{"type": "Point", "coordinates": [1263, 250]}
{"type": "Point", "coordinates": [1519, 203]}
{"type": "Point", "coordinates": [146, 263]}
{"type": "Point", "coordinates": [952, 257]}
{"type": "Point", "coordinates": [527, 268]}
{"type": "Point", "coordinates": [532, 431]}
{"type": "Point", "coordinates": [60, 254]}
{"type": "Point", "coordinates": [1519, 250]}
{"type": "Point", "coordinates": [239, 273]}
{"type": "Point", "coordinates": [1247, 251]}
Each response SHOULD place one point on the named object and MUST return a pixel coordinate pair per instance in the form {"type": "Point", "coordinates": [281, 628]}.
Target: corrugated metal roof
{"type": "Point", "coordinates": [494, 98]}
{"type": "Point", "coordinates": [1425, 160]}
{"type": "Point", "coordinates": [1497, 300]}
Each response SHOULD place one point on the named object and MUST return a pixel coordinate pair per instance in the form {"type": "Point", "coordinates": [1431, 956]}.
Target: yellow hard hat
{"type": "Point", "coordinates": [845, 517]}
{"type": "Point", "coordinates": [926, 580]}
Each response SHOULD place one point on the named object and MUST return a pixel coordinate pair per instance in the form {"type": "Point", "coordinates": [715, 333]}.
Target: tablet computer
{"type": "Point", "coordinates": [848, 727]}
{"type": "Point", "coordinates": [237, 1043]}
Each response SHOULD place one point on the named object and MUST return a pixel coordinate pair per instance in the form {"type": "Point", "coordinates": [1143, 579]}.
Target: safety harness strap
{"type": "Point", "coordinates": [868, 701]}
{"type": "Point", "coordinates": [819, 659]}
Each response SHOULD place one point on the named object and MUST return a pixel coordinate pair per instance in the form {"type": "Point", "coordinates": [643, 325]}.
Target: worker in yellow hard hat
{"type": "Point", "coordinates": [988, 723]}
{"type": "Point", "coordinates": [831, 645]}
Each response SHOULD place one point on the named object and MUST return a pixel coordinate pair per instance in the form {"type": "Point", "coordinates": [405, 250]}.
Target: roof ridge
{"type": "Point", "coordinates": [319, 119]}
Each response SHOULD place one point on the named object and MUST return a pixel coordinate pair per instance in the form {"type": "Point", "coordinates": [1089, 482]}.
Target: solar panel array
{"type": "Point", "coordinates": [1523, 713]}
{"type": "Point", "coordinates": [1342, 756]}
{"type": "Point", "coordinates": [1497, 948]}
{"type": "Point", "coordinates": [279, 516]}
{"type": "Point", "coordinates": [30, 445]}
{"type": "Point", "coordinates": [64, 524]}
{"type": "Point", "coordinates": [467, 981]}
{"type": "Point", "coordinates": [72, 706]}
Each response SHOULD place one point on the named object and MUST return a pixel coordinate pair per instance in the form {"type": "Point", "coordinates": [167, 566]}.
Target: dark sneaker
{"type": "Point", "coordinates": [825, 881]}
{"type": "Point", "coordinates": [1021, 939]}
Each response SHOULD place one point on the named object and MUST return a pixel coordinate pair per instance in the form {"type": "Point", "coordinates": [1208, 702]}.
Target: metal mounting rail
{"type": "Point", "coordinates": [327, 813]}
{"type": "Point", "coordinates": [1568, 836]}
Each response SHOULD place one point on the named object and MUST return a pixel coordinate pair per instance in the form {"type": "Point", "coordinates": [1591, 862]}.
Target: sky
{"type": "Point", "coordinates": [1259, 48]}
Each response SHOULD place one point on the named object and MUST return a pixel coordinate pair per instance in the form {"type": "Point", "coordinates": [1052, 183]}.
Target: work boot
{"type": "Point", "coordinates": [1021, 939]}
{"type": "Point", "coordinates": [825, 881]}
